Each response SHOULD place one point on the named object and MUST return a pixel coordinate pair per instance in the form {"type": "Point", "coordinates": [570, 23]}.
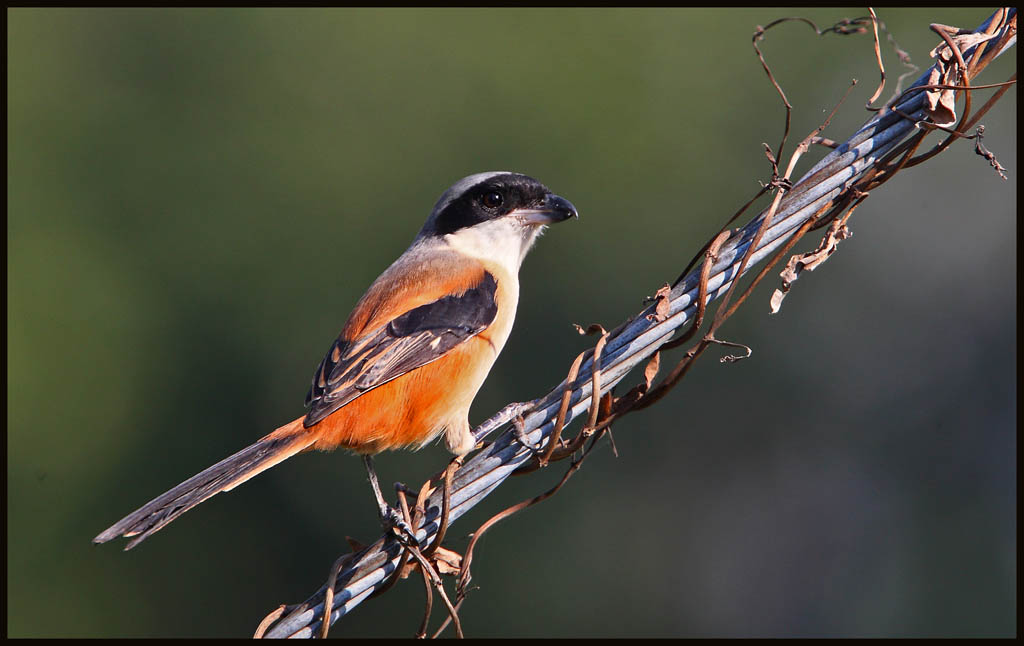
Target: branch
{"type": "Point", "coordinates": [837, 182]}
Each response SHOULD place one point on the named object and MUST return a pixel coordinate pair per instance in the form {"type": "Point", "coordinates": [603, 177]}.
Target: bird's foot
{"type": "Point", "coordinates": [391, 520]}
{"type": "Point", "coordinates": [507, 414]}
{"type": "Point", "coordinates": [520, 435]}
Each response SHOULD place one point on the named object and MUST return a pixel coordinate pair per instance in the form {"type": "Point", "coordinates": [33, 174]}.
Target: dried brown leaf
{"type": "Point", "coordinates": [776, 300]}
{"type": "Point", "coordinates": [808, 261]}
{"type": "Point", "coordinates": [940, 105]}
{"type": "Point", "coordinates": [447, 561]}
{"type": "Point", "coordinates": [662, 307]}
{"type": "Point", "coordinates": [651, 369]}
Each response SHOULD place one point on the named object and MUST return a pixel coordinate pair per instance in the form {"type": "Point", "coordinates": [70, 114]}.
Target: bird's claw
{"type": "Point", "coordinates": [391, 520]}
{"type": "Point", "coordinates": [511, 413]}
{"type": "Point", "coordinates": [520, 435]}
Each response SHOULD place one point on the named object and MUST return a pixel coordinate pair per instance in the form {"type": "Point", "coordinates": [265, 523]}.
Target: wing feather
{"type": "Point", "coordinates": [414, 339]}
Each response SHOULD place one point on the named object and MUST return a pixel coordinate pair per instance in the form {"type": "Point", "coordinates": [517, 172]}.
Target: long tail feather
{"type": "Point", "coordinates": [223, 476]}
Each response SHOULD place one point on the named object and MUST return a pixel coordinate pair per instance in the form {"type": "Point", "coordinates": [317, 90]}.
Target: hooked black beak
{"type": "Point", "coordinates": [555, 209]}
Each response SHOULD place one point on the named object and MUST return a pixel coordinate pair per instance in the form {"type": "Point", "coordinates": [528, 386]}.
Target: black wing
{"type": "Point", "coordinates": [409, 341]}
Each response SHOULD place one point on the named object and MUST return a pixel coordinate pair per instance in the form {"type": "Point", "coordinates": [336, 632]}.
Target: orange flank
{"type": "Point", "coordinates": [409, 411]}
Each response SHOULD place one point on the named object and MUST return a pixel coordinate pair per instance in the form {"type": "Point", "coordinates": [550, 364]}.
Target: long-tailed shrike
{"type": "Point", "coordinates": [414, 351]}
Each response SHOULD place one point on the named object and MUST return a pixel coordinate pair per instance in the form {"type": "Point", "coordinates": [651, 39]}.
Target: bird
{"type": "Point", "coordinates": [412, 354]}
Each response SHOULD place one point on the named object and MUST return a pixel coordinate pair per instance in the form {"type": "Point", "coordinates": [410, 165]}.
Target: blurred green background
{"type": "Point", "coordinates": [196, 199]}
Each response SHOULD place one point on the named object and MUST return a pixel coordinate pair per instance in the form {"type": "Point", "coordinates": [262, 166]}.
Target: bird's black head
{"type": "Point", "coordinates": [483, 197]}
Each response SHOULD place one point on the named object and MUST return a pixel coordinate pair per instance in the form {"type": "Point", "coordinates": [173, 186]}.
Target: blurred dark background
{"type": "Point", "coordinates": [196, 199]}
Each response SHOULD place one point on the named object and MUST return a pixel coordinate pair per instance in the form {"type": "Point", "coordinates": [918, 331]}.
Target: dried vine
{"type": "Point", "coordinates": [826, 196]}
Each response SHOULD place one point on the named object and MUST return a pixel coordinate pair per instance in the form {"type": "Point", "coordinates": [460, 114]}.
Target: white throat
{"type": "Point", "coordinates": [502, 241]}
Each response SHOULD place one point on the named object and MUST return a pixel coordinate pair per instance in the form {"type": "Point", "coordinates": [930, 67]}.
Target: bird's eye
{"type": "Point", "coordinates": [492, 200]}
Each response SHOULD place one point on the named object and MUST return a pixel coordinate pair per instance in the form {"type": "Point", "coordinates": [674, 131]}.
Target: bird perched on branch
{"type": "Point", "coordinates": [413, 353]}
